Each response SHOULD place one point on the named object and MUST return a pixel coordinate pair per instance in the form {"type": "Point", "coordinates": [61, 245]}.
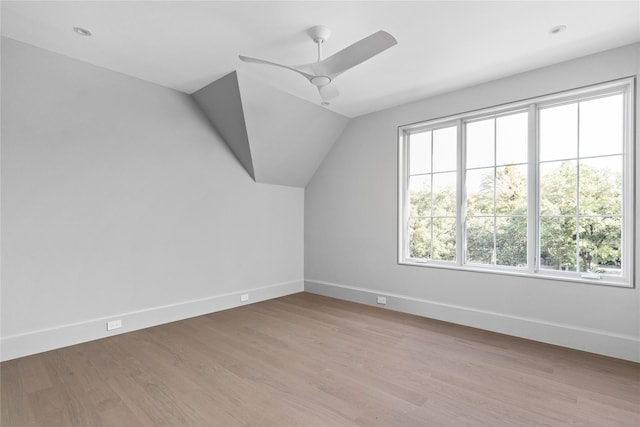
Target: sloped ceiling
{"type": "Point", "coordinates": [442, 45]}
{"type": "Point", "coordinates": [277, 137]}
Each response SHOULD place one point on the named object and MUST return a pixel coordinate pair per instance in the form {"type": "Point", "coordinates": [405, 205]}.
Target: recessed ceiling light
{"type": "Point", "coordinates": [557, 29]}
{"type": "Point", "coordinates": [81, 31]}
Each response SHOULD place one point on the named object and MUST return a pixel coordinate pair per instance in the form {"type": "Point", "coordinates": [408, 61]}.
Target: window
{"type": "Point", "coordinates": [432, 192]}
{"type": "Point", "coordinates": [541, 188]}
{"type": "Point", "coordinates": [496, 190]}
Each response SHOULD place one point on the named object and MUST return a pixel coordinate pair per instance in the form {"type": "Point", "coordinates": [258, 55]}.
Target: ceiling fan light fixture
{"type": "Point", "coordinates": [320, 81]}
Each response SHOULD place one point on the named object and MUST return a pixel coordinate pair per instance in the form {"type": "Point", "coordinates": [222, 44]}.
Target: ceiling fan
{"type": "Point", "coordinates": [322, 72]}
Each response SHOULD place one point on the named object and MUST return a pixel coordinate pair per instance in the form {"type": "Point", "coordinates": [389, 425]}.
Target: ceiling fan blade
{"type": "Point", "coordinates": [353, 55]}
{"type": "Point", "coordinates": [262, 61]}
{"type": "Point", "coordinates": [328, 92]}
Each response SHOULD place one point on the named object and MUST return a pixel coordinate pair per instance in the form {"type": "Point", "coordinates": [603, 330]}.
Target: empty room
{"type": "Point", "coordinates": [320, 213]}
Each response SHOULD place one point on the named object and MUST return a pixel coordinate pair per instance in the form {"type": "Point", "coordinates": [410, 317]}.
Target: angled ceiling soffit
{"type": "Point", "coordinates": [222, 104]}
{"type": "Point", "coordinates": [278, 138]}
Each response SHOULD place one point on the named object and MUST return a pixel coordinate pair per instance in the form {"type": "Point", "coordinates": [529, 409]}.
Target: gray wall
{"type": "Point", "coordinates": [350, 229]}
{"type": "Point", "coordinates": [119, 200]}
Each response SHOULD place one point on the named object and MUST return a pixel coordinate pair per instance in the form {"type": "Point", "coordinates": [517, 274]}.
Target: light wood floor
{"type": "Point", "coordinates": [308, 360]}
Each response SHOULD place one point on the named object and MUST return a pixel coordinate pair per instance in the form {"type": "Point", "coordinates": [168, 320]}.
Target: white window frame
{"type": "Point", "coordinates": [626, 279]}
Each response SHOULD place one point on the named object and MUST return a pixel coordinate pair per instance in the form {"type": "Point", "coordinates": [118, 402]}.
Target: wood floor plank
{"type": "Point", "coordinates": [14, 403]}
{"type": "Point", "coordinates": [308, 360]}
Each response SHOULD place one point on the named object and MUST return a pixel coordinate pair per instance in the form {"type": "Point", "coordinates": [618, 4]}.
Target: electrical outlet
{"type": "Point", "coordinates": [381, 300]}
{"type": "Point", "coordinates": [244, 297]}
{"type": "Point", "coordinates": [114, 324]}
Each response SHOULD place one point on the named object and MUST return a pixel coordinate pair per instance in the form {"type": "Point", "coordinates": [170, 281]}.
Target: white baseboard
{"type": "Point", "coordinates": [594, 341]}
{"type": "Point", "coordinates": [19, 345]}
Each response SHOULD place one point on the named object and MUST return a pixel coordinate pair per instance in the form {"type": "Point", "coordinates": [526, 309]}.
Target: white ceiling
{"type": "Point", "coordinates": [442, 46]}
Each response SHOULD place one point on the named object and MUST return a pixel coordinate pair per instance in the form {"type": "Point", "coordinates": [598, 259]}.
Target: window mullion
{"type": "Point", "coordinates": [494, 257]}
{"type": "Point", "coordinates": [460, 193]}
{"type": "Point", "coordinates": [431, 199]}
{"type": "Point", "coordinates": [403, 190]}
{"type": "Point", "coordinates": [533, 191]}
{"type": "Point", "coordinates": [578, 209]}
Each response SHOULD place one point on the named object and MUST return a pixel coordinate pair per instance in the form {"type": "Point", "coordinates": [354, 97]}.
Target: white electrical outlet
{"type": "Point", "coordinates": [244, 297]}
{"type": "Point", "coordinates": [381, 300]}
{"type": "Point", "coordinates": [114, 324]}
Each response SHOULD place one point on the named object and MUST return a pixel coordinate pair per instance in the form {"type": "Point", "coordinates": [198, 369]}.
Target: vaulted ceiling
{"type": "Point", "coordinates": [442, 46]}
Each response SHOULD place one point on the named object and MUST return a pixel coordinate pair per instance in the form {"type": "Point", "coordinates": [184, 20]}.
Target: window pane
{"type": "Point", "coordinates": [480, 244]}
{"type": "Point", "coordinates": [558, 186]}
{"type": "Point", "coordinates": [444, 149]}
{"type": "Point", "coordinates": [444, 194]}
{"type": "Point", "coordinates": [511, 241]}
{"type": "Point", "coordinates": [511, 139]}
{"type": "Point", "coordinates": [479, 184]}
{"type": "Point", "coordinates": [601, 186]}
{"type": "Point", "coordinates": [419, 153]}
{"type": "Point", "coordinates": [480, 143]}
{"type": "Point", "coordinates": [601, 126]}
{"type": "Point", "coordinates": [511, 190]}
{"type": "Point", "coordinates": [419, 238]}
{"type": "Point", "coordinates": [420, 195]}
{"type": "Point", "coordinates": [444, 239]}
{"type": "Point", "coordinates": [559, 132]}
{"type": "Point", "coordinates": [600, 243]}
{"type": "Point", "coordinates": [558, 243]}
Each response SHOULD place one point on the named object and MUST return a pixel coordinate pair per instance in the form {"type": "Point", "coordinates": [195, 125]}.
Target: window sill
{"type": "Point", "coordinates": [606, 281]}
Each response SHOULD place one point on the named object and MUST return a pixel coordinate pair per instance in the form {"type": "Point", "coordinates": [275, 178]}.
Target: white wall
{"type": "Point", "coordinates": [351, 237]}
{"type": "Point", "coordinates": [119, 200]}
